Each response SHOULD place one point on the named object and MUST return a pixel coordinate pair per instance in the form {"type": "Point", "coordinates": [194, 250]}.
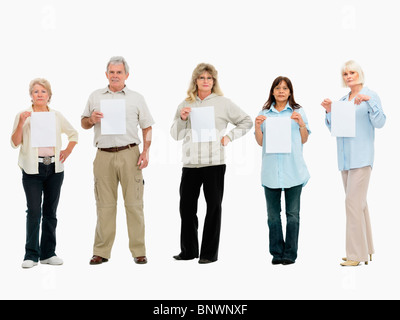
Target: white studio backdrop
{"type": "Point", "coordinates": [250, 43]}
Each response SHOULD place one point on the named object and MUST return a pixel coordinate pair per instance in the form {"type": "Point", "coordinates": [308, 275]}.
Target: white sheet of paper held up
{"type": "Point", "coordinates": [203, 124]}
{"type": "Point", "coordinates": [343, 117]}
{"type": "Point", "coordinates": [278, 135]}
{"type": "Point", "coordinates": [43, 129]}
{"type": "Point", "coordinates": [114, 120]}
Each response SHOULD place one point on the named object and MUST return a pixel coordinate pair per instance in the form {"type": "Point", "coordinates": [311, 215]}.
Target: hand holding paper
{"type": "Point", "coordinates": [327, 104]}
{"type": "Point", "coordinates": [96, 117]}
{"type": "Point", "coordinates": [259, 121]}
{"type": "Point", "coordinates": [185, 113]}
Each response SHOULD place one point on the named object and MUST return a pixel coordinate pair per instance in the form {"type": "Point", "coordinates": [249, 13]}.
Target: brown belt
{"type": "Point", "coordinates": [116, 149]}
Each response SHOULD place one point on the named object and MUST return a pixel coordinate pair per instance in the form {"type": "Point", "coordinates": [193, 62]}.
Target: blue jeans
{"type": "Point", "coordinates": [47, 185]}
{"type": "Point", "coordinates": [281, 249]}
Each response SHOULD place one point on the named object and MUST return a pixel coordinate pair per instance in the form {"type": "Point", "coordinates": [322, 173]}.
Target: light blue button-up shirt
{"type": "Point", "coordinates": [358, 152]}
{"type": "Point", "coordinates": [285, 170]}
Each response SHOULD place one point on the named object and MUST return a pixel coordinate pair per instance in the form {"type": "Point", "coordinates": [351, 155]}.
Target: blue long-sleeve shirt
{"type": "Point", "coordinates": [285, 170]}
{"type": "Point", "coordinates": [358, 152]}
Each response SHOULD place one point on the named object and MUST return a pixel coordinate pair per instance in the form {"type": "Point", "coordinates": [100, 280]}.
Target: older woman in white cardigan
{"type": "Point", "coordinates": [42, 175]}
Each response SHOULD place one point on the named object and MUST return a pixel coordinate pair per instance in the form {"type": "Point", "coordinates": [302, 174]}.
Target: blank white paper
{"type": "Point", "coordinates": [203, 124]}
{"type": "Point", "coordinates": [343, 119]}
{"type": "Point", "coordinates": [278, 135]}
{"type": "Point", "coordinates": [43, 129]}
{"type": "Point", "coordinates": [114, 116]}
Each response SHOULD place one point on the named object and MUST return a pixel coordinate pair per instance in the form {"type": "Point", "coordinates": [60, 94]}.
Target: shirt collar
{"type": "Point", "coordinates": [107, 90]}
{"type": "Point", "coordinates": [363, 90]}
{"type": "Point", "coordinates": [272, 109]}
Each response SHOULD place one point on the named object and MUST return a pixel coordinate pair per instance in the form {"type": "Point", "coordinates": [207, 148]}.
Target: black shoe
{"type": "Point", "coordinates": [287, 262]}
{"type": "Point", "coordinates": [277, 261]}
{"type": "Point", "coordinates": [204, 261]}
{"type": "Point", "coordinates": [179, 257]}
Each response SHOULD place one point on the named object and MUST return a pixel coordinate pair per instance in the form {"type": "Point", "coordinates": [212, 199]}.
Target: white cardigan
{"type": "Point", "coordinates": [28, 156]}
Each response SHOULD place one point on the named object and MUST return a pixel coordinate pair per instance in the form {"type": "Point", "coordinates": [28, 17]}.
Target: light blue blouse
{"type": "Point", "coordinates": [285, 170]}
{"type": "Point", "coordinates": [358, 152]}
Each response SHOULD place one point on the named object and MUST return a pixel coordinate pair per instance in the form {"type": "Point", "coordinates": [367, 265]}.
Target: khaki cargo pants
{"type": "Point", "coordinates": [110, 169]}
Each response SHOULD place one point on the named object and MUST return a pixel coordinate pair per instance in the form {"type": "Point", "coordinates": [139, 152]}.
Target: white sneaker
{"type": "Point", "coordinates": [27, 264]}
{"type": "Point", "coordinates": [54, 261]}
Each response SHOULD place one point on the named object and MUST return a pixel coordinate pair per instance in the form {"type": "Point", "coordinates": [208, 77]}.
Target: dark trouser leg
{"type": "Point", "coordinates": [292, 199]}
{"type": "Point", "coordinates": [51, 196]}
{"type": "Point", "coordinates": [276, 242]}
{"type": "Point", "coordinates": [213, 192]}
{"type": "Point", "coordinates": [189, 193]}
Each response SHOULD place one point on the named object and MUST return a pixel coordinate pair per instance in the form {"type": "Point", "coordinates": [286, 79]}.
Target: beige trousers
{"type": "Point", "coordinates": [110, 169]}
{"type": "Point", "coordinates": [359, 243]}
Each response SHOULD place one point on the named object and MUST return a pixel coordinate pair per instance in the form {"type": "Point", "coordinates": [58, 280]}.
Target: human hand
{"type": "Point", "coordinates": [360, 98]}
{"type": "Point", "coordinates": [225, 140]}
{"type": "Point", "coordinates": [143, 161]}
{"type": "Point", "coordinates": [297, 117]}
{"type": "Point", "coordinates": [64, 154]}
{"type": "Point", "coordinates": [327, 104]}
{"type": "Point", "coordinates": [96, 117]}
{"type": "Point", "coordinates": [259, 121]}
{"type": "Point", "coordinates": [185, 113]}
{"type": "Point", "coordinates": [23, 116]}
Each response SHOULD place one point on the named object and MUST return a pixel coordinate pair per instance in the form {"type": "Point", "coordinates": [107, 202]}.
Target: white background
{"type": "Point", "coordinates": [250, 43]}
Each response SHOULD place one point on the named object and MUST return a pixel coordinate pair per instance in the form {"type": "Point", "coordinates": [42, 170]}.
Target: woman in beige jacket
{"type": "Point", "coordinates": [204, 159]}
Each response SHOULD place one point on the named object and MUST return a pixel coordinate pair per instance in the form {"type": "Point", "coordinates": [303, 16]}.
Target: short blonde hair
{"type": "Point", "coordinates": [353, 66]}
{"type": "Point", "coordinates": [200, 69]}
{"type": "Point", "coordinates": [44, 83]}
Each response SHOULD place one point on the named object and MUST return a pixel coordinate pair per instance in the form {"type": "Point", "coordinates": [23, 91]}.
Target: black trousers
{"type": "Point", "coordinates": [212, 180]}
{"type": "Point", "coordinates": [42, 192]}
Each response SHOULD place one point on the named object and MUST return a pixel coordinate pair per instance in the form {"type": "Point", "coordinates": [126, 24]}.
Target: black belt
{"type": "Point", "coordinates": [116, 149]}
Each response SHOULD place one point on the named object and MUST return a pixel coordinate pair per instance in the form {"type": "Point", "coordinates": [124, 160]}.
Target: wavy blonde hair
{"type": "Point", "coordinates": [200, 69]}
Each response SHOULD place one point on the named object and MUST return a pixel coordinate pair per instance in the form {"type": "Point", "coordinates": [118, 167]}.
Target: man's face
{"type": "Point", "coordinates": [117, 76]}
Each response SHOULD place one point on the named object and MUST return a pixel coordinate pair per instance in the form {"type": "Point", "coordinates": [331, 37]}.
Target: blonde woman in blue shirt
{"type": "Point", "coordinates": [283, 171]}
{"type": "Point", "coordinates": [355, 160]}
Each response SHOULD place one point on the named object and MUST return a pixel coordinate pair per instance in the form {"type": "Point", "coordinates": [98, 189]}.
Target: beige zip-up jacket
{"type": "Point", "coordinates": [202, 154]}
{"type": "Point", "coordinates": [28, 156]}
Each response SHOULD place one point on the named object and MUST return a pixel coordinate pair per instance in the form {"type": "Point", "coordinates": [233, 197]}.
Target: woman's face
{"type": "Point", "coordinates": [205, 83]}
{"type": "Point", "coordinates": [281, 92]}
{"type": "Point", "coordinates": [351, 78]}
{"type": "Point", "coordinates": [40, 96]}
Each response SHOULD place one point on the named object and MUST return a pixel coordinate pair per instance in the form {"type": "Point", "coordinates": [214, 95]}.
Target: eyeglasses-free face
{"type": "Point", "coordinates": [351, 77]}
{"type": "Point", "coordinates": [117, 76]}
{"type": "Point", "coordinates": [282, 92]}
{"type": "Point", "coordinates": [40, 96]}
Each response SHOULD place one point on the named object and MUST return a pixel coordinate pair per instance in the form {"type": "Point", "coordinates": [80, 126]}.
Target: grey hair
{"type": "Point", "coordinates": [118, 60]}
